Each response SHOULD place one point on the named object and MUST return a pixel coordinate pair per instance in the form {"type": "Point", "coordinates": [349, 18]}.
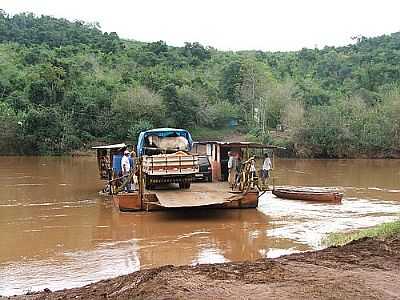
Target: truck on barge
{"type": "Point", "coordinates": [166, 158]}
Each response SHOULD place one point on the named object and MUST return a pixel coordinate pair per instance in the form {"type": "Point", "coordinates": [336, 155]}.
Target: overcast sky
{"type": "Point", "coordinates": [229, 24]}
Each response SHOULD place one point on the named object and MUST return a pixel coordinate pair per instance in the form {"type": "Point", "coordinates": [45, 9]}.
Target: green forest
{"type": "Point", "coordinates": [68, 85]}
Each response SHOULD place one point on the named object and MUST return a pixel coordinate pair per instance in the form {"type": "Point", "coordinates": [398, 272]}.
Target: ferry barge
{"type": "Point", "coordinates": [165, 169]}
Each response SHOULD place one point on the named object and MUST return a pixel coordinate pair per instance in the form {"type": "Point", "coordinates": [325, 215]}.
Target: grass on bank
{"type": "Point", "coordinates": [381, 231]}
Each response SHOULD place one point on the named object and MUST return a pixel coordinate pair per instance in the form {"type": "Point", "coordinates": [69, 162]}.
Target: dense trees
{"type": "Point", "coordinates": [26, 29]}
{"type": "Point", "coordinates": [64, 85]}
{"type": "Point", "coordinates": [349, 129]}
{"type": "Point", "coordinates": [9, 129]}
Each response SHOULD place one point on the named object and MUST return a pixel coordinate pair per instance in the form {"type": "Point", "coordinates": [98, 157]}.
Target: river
{"type": "Point", "coordinates": [57, 232]}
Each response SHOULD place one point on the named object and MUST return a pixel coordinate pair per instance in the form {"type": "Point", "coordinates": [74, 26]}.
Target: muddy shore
{"type": "Point", "coordinates": [365, 269]}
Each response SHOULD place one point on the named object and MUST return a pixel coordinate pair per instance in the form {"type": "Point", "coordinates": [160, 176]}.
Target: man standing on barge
{"type": "Point", "coordinates": [126, 167]}
{"type": "Point", "coordinates": [266, 168]}
{"type": "Point", "coordinates": [232, 168]}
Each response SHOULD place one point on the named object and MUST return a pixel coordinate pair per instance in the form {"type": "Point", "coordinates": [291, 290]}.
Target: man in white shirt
{"type": "Point", "coordinates": [232, 168]}
{"type": "Point", "coordinates": [266, 168]}
{"type": "Point", "coordinates": [126, 167]}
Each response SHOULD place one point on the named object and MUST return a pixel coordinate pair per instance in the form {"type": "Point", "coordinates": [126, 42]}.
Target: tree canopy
{"type": "Point", "coordinates": [65, 85]}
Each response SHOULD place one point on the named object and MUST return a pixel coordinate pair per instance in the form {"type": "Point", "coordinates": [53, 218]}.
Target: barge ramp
{"type": "Point", "coordinates": [212, 195]}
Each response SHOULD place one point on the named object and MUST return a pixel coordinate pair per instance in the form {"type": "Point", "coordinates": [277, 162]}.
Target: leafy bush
{"type": "Point", "coordinates": [219, 114]}
{"type": "Point", "coordinates": [136, 129]}
{"type": "Point", "coordinates": [258, 135]}
{"type": "Point", "coordinates": [135, 104]}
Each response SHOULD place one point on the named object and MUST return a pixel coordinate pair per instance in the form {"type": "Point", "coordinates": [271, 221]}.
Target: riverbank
{"type": "Point", "coordinates": [381, 231]}
{"type": "Point", "coordinates": [368, 268]}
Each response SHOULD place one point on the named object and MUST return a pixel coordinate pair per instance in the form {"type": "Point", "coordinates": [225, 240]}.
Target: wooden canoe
{"type": "Point", "coordinates": [308, 194]}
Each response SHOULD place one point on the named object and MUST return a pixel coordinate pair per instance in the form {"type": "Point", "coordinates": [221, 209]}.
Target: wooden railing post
{"type": "Point", "coordinates": [141, 182]}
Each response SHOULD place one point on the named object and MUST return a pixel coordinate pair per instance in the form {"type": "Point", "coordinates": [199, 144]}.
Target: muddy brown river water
{"type": "Point", "coordinates": [57, 232]}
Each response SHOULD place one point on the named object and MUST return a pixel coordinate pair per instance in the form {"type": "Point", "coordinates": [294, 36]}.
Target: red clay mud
{"type": "Point", "coordinates": [364, 269]}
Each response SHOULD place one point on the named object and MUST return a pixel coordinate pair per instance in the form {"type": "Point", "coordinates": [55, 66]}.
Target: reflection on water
{"type": "Point", "coordinates": [56, 231]}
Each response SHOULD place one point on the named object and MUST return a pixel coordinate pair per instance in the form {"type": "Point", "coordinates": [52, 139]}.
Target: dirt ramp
{"type": "Point", "coordinates": [365, 269]}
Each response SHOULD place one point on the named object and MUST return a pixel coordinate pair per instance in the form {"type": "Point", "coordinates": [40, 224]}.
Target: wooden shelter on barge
{"type": "Point", "coordinates": [217, 153]}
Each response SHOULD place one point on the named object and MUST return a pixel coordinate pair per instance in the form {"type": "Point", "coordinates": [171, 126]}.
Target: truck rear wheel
{"type": "Point", "coordinates": [184, 185]}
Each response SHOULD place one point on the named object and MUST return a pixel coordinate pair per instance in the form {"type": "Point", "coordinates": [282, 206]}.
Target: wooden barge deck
{"type": "Point", "coordinates": [208, 195]}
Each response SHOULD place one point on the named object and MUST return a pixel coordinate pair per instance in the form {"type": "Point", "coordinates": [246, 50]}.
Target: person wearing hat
{"type": "Point", "coordinates": [126, 167]}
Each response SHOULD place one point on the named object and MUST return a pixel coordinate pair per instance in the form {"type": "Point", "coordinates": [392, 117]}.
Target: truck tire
{"type": "Point", "coordinates": [148, 185]}
{"type": "Point", "coordinates": [184, 185]}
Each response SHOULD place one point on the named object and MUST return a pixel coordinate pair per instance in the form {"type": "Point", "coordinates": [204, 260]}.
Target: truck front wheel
{"type": "Point", "coordinates": [148, 184]}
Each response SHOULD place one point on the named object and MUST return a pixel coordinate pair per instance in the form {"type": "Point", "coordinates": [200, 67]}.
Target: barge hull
{"type": "Point", "coordinates": [202, 196]}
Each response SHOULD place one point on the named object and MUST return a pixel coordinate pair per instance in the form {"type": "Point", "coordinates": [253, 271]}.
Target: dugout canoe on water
{"type": "Point", "coordinates": [309, 194]}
